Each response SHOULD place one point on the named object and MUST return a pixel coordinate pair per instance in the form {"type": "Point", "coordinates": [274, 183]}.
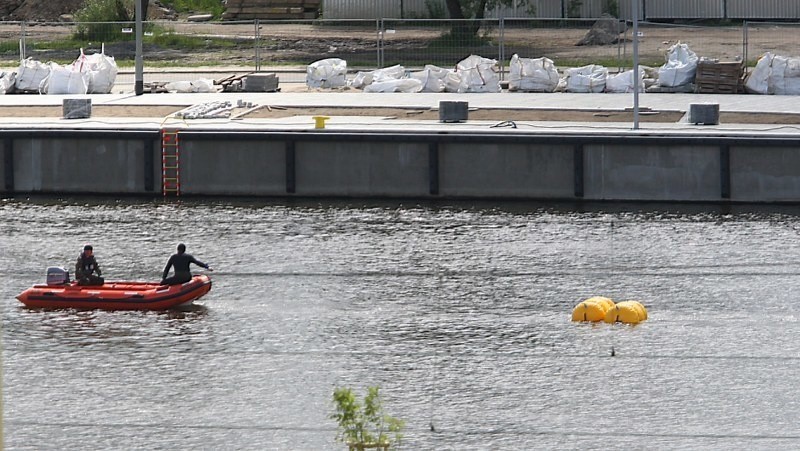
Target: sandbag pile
{"type": "Point", "coordinates": [598, 308]}
{"type": "Point", "coordinates": [88, 74]}
{"type": "Point", "coordinates": [476, 74]}
{"type": "Point", "coordinates": [472, 74]}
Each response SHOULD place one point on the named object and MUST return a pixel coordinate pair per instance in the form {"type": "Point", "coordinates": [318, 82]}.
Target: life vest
{"type": "Point", "coordinates": [87, 264]}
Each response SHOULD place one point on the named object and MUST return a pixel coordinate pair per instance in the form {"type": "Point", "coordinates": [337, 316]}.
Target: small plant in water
{"type": "Point", "coordinates": [364, 425]}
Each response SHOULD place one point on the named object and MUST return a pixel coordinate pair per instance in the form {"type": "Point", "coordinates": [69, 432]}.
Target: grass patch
{"type": "Point", "coordinates": [196, 6]}
{"type": "Point", "coordinates": [190, 42]}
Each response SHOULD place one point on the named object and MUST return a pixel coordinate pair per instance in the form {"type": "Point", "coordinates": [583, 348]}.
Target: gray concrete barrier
{"type": "Point", "coordinates": [405, 165]}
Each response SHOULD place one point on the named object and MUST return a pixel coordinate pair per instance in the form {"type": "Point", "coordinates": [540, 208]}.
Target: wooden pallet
{"type": "Point", "coordinates": [271, 9]}
{"type": "Point", "coordinates": [719, 78]}
{"type": "Point", "coordinates": [718, 88]}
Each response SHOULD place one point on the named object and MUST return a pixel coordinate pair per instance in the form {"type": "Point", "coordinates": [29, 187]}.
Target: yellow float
{"type": "Point", "coordinates": [628, 312]}
{"type": "Point", "coordinates": [593, 309]}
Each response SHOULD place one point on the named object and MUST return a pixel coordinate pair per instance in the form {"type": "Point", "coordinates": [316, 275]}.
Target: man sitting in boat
{"type": "Point", "coordinates": [86, 267]}
{"type": "Point", "coordinates": [181, 262]}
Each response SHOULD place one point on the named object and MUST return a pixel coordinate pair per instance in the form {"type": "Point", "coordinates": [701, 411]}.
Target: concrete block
{"type": "Point", "coordinates": [704, 113]}
{"type": "Point", "coordinates": [453, 111]}
{"type": "Point", "coordinates": [260, 83]}
{"type": "Point", "coordinates": [77, 108]}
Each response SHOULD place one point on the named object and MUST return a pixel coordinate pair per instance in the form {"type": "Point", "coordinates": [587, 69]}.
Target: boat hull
{"type": "Point", "coordinates": [116, 295]}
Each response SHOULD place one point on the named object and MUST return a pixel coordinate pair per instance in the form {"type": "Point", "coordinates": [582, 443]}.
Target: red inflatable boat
{"type": "Point", "coordinates": [116, 295]}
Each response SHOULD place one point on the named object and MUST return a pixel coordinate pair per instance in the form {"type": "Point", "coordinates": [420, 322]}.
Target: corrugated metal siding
{"type": "Point", "coordinates": [360, 9]}
{"type": "Point", "coordinates": [547, 9]}
{"type": "Point", "coordinates": [764, 9]}
{"type": "Point", "coordinates": [685, 9]}
{"type": "Point", "coordinates": [418, 9]}
{"type": "Point", "coordinates": [626, 9]}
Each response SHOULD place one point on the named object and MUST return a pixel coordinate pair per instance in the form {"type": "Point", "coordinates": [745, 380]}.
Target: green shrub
{"type": "Point", "coordinates": [93, 20]}
{"type": "Point", "coordinates": [104, 11]}
{"type": "Point", "coordinates": [364, 424]}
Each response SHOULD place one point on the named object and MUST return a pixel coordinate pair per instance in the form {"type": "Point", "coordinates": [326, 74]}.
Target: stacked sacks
{"type": "Point", "coordinates": [593, 309]}
{"type": "Point", "coordinates": [628, 312]}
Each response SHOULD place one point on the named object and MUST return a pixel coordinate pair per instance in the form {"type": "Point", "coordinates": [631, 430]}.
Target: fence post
{"type": "Point", "coordinates": [745, 43]}
{"type": "Point", "coordinates": [379, 37]}
{"type": "Point", "coordinates": [257, 42]}
{"type": "Point", "coordinates": [502, 46]}
{"type": "Point", "coordinates": [22, 42]}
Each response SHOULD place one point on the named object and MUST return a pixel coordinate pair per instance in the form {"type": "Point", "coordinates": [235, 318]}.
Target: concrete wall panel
{"type": "Point", "coordinates": [391, 169]}
{"type": "Point", "coordinates": [652, 173]}
{"type": "Point", "coordinates": [507, 170]}
{"type": "Point", "coordinates": [765, 174]}
{"type": "Point", "coordinates": [233, 167]}
{"type": "Point", "coordinates": [4, 160]}
{"type": "Point", "coordinates": [79, 165]}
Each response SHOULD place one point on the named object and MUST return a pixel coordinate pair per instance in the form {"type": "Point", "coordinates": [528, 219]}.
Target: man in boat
{"type": "Point", "coordinates": [180, 262]}
{"type": "Point", "coordinates": [86, 267]}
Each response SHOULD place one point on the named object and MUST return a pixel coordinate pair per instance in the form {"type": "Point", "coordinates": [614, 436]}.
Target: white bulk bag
{"type": "Point", "coordinates": [327, 73]}
{"type": "Point", "coordinates": [389, 85]}
{"type": "Point", "coordinates": [364, 79]}
{"type": "Point", "coordinates": [478, 74]}
{"type": "Point", "coordinates": [199, 85]}
{"type": "Point", "coordinates": [623, 82]}
{"type": "Point", "coordinates": [758, 80]}
{"type": "Point", "coordinates": [437, 79]}
{"type": "Point", "coordinates": [7, 82]}
{"type": "Point", "coordinates": [30, 75]}
{"type": "Point", "coordinates": [102, 72]}
{"type": "Point", "coordinates": [532, 74]}
{"type": "Point", "coordinates": [680, 68]}
{"type": "Point", "coordinates": [591, 78]}
{"type": "Point", "coordinates": [65, 80]}
{"type": "Point", "coordinates": [784, 77]}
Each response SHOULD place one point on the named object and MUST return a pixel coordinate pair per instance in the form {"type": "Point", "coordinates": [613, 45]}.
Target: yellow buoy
{"type": "Point", "coordinates": [624, 313]}
{"type": "Point", "coordinates": [593, 309]}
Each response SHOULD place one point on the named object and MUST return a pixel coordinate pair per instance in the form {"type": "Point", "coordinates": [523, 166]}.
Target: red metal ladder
{"type": "Point", "coordinates": [170, 163]}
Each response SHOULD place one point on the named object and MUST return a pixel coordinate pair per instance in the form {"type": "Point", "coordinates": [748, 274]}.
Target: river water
{"type": "Point", "coordinates": [460, 312]}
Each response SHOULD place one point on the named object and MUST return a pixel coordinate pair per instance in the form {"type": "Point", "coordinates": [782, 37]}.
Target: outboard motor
{"type": "Point", "coordinates": [57, 276]}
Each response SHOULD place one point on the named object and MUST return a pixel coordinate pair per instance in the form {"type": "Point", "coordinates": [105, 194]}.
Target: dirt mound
{"type": "Point", "coordinates": [60, 10]}
{"type": "Point", "coordinates": [37, 10]}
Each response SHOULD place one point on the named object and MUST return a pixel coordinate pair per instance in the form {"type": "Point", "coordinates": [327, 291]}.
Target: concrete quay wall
{"type": "Point", "coordinates": [408, 165]}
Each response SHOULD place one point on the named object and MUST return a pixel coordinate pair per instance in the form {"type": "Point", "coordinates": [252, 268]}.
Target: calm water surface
{"type": "Point", "coordinates": [459, 312]}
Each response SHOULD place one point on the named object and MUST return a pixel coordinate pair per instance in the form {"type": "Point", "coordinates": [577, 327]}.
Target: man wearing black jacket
{"type": "Point", "coordinates": [180, 262]}
{"type": "Point", "coordinates": [85, 268]}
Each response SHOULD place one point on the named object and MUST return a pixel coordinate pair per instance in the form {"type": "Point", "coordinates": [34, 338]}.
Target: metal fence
{"type": "Point", "coordinates": [178, 50]}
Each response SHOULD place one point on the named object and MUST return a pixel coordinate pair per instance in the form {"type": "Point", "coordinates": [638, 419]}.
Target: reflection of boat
{"type": "Point", "coordinates": [116, 295]}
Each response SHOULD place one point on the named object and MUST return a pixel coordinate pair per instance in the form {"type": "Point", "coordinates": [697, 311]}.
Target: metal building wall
{"type": "Point", "coordinates": [685, 9]}
{"type": "Point", "coordinates": [360, 9]}
{"type": "Point", "coordinates": [415, 9]}
{"type": "Point", "coordinates": [626, 9]}
{"type": "Point", "coordinates": [547, 9]}
{"type": "Point", "coordinates": [764, 9]}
